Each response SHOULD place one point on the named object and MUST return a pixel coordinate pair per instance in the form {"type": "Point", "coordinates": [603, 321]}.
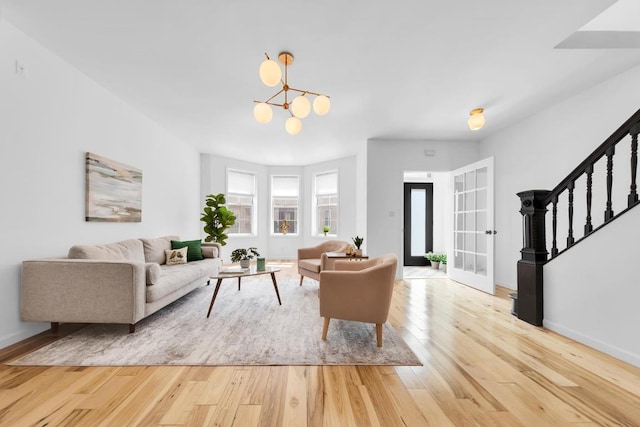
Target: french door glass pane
{"type": "Point", "coordinates": [481, 266]}
{"type": "Point", "coordinates": [459, 259]}
{"type": "Point", "coordinates": [481, 177]}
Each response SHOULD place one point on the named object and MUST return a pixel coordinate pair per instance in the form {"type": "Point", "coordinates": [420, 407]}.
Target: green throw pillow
{"type": "Point", "coordinates": [194, 252]}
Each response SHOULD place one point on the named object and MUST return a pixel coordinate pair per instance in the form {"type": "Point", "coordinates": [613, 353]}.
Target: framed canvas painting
{"type": "Point", "coordinates": [114, 191]}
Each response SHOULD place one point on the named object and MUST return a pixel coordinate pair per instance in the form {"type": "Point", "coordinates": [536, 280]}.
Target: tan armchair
{"type": "Point", "coordinates": [311, 261]}
{"type": "Point", "coordinates": [358, 290]}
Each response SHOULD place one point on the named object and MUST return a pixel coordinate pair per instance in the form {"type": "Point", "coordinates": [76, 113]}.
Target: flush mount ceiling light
{"type": "Point", "coordinates": [299, 107]}
{"type": "Point", "coordinates": [476, 119]}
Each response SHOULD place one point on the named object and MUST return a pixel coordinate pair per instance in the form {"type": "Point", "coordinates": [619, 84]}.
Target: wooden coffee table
{"type": "Point", "coordinates": [232, 273]}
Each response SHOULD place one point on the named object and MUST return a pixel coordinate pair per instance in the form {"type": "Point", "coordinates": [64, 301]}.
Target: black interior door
{"type": "Point", "coordinates": [418, 202]}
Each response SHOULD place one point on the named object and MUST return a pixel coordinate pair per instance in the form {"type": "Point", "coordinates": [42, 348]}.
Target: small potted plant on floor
{"type": "Point", "coordinates": [443, 261]}
{"type": "Point", "coordinates": [244, 256]}
{"type": "Point", "coordinates": [358, 242]}
{"type": "Point", "coordinates": [434, 259]}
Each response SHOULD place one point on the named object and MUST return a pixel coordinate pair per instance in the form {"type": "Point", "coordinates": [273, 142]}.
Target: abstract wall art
{"type": "Point", "coordinates": [114, 191]}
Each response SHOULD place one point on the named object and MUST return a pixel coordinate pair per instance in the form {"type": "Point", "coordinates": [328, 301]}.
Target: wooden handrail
{"type": "Point", "coordinates": [597, 154]}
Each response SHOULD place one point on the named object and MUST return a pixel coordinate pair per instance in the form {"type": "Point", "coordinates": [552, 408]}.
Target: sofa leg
{"type": "Point", "coordinates": [325, 328]}
{"type": "Point", "coordinates": [132, 328]}
{"type": "Point", "coordinates": [379, 334]}
{"type": "Point", "coordinates": [54, 327]}
{"type": "Point", "coordinates": [301, 277]}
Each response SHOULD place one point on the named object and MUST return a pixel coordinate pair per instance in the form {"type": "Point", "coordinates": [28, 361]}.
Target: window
{"type": "Point", "coordinates": [241, 196]}
{"type": "Point", "coordinates": [284, 204]}
{"type": "Point", "coordinates": [326, 202]}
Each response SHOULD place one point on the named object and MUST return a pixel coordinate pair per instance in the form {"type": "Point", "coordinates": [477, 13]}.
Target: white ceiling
{"type": "Point", "coordinates": [408, 69]}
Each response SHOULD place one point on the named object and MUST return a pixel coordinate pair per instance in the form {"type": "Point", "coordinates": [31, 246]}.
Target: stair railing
{"type": "Point", "coordinates": [535, 204]}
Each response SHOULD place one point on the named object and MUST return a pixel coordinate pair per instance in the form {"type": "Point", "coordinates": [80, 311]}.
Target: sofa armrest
{"type": "Point", "coordinates": [211, 249]}
{"type": "Point", "coordinates": [83, 291]}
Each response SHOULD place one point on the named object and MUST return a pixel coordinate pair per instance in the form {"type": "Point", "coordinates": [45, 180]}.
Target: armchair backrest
{"type": "Point", "coordinates": [316, 251]}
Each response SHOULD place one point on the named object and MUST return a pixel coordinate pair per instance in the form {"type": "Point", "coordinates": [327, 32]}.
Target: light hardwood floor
{"type": "Point", "coordinates": [482, 367]}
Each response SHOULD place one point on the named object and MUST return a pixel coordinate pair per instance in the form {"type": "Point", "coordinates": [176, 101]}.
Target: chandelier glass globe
{"type": "Point", "coordinates": [270, 72]}
{"type": "Point", "coordinates": [293, 125]}
{"type": "Point", "coordinates": [321, 105]}
{"type": "Point", "coordinates": [262, 112]}
{"type": "Point", "coordinates": [301, 107]}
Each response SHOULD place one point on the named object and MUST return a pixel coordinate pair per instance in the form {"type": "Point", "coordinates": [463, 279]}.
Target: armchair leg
{"type": "Point", "coordinates": [379, 334]}
{"type": "Point", "coordinates": [301, 277]}
{"type": "Point", "coordinates": [325, 328]}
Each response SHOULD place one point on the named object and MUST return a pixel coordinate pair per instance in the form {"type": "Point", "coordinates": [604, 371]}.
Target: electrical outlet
{"type": "Point", "coordinates": [21, 70]}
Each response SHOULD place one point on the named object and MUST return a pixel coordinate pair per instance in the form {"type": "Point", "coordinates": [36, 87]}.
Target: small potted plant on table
{"type": "Point", "coordinates": [358, 242]}
{"type": "Point", "coordinates": [244, 256]}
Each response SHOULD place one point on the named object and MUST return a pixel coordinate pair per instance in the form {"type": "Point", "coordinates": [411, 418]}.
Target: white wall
{"type": "Point", "coordinates": [213, 180]}
{"type": "Point", "coordinates": [594, 299]}
{"type": "Point", "coordinates": [48, 122]}
{"type": "Point", "coordinates": [541, 151]}
{"type": "Point", "coordinates": [387, 160]}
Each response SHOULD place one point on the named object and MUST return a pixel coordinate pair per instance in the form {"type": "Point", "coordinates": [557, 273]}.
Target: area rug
{"type": "Point", "coordinates": [246, 327]}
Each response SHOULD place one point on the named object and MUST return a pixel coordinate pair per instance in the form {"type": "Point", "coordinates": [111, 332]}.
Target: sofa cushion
{"type": "Point", "coordinates": [129, 250]}
{"type": "Point", "coordinates": [174, 277]}
{"type": "Point", "coordinates": [152, 272]}
{"type": "Point", "coordinates": [176, 256]}
{"type": "Point", "coordinates": [154, 248]}
{"type": "Point", "coordinates": [194, 252]}
{"type": "Point", "coordinates": [310, 264]}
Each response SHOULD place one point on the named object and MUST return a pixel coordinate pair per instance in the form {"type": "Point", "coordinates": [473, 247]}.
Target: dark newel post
{"type": "Point", "coordinates": [534, 254]}
{"type": "Point", "coordinates": [633, 194]}
{"type": "Point", "coordinates": [588, 227]}
{"type": "Point", "coordinates": [608, 213]}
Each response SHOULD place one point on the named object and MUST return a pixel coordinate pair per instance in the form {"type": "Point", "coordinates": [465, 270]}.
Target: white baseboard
{"type": "Point", "coordinates": [33, 329]}
{"type": "Point", "coordinates": [604, 347]}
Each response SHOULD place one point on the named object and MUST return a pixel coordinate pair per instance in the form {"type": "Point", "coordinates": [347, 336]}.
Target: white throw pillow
{"type": "Point", "coordinates": [176, 256]}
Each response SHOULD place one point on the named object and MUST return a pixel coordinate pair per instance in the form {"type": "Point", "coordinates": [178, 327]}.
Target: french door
{"type": "Point", "coordinates": [471, 260]}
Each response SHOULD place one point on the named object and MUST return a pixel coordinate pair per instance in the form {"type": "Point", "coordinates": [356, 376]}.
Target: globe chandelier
{"type": "Point", "coordinates": [299, 107]}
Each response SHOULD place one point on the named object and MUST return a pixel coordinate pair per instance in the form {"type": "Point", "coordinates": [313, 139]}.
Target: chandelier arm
{"type": "Point", "coordinates": [309, 92]}
{"type": "Point", "coordinates": [277, 93]}
{"type": "Point", "coordinates": [270, 103]}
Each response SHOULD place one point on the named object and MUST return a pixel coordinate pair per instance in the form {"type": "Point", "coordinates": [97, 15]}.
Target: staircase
{"type": "Point", "coordinates": [598, 167]}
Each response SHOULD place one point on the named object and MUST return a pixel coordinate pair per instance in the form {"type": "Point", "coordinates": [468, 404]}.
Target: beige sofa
{"type": "Point", "coordinates": [120, 282]}
{"type": "Point", "coordinates": [311, 261]}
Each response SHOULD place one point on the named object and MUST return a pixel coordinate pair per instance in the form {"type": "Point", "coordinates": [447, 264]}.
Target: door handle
{"type": "Point", "coordinates": [491, 232]}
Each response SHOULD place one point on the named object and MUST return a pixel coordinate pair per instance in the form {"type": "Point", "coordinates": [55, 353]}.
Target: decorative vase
{"type": "Point", "coordinates": [325, 233]}
{"type": "Point", "coordinates": [245, 263]}
{"type": "Point", "coordinates": [260, 264]}
{"type": "Point", "coordinates": [358, 252]}
{"type": "Point", "coordinates": [435, 264]}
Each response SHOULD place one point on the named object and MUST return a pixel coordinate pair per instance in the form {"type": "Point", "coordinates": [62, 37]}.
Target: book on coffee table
{"type": "Point", "coordinates": [233, 270]}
